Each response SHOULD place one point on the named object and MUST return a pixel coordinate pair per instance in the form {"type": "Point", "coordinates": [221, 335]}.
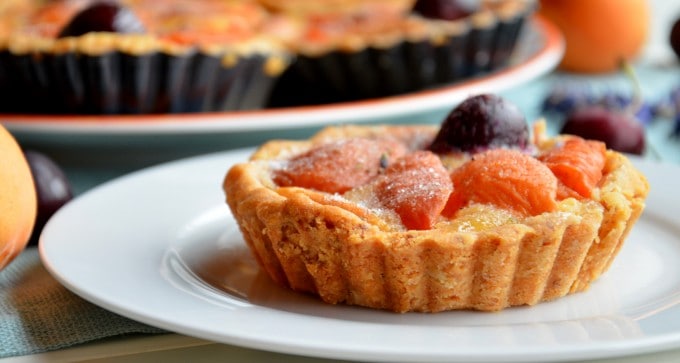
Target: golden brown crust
{"type": "Point", "coordinates": [263, 26]}
{"type": "Point", "coordinates": [31, 26]}
{"type": "Point", "coordinates": [356, 25]}
{"type": "Point", "coordinates": [322, 244]}
{"type": "Point", "coordinates": [335, 6]}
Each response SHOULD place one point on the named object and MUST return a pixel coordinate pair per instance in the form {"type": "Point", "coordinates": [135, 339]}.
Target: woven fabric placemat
{"type": "Point", "coordinates": [38, 314]}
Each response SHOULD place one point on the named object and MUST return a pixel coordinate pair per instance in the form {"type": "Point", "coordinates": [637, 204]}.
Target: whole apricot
{"type": "Point", "coordinates": [18, 199]}
{"type": "Point", "coordinates": [599, 34]}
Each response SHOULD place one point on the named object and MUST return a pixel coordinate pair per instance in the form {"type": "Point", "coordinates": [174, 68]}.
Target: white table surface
{"type": "Point", "coordinates": [173, 348]}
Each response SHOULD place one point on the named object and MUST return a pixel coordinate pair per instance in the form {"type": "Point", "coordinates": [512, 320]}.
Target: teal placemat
{"type": "Point", "coordinates": [38, 314]}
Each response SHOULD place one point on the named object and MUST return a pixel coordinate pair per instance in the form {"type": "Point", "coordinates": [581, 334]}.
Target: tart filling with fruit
{"type": "Point", "coordinates": [474, 214]}
{"type": "Point", "coordinates": [136, 56]}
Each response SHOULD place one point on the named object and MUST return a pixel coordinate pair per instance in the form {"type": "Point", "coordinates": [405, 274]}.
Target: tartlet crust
{"type": "Point", "coordinates": [325, 245]}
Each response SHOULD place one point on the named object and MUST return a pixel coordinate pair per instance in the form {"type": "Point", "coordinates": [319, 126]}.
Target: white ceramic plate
{"type": "Point", "coordinates": [538, 53]}
{"type": "Point", "coordinates": [160, 246]}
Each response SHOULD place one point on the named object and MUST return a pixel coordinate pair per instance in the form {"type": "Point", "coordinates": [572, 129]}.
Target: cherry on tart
{"type": "Point", "coordinates": [103, 17]}
{"type": "Point", "coordinates": [446, 9]}
{"type": "Point", "coordinates": [482, 122]}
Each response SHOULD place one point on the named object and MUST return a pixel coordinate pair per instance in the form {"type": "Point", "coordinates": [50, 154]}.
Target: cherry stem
{"type": "Point", "coordinates": [629, 71]}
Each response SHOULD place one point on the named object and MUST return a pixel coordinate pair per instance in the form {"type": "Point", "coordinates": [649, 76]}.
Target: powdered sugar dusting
{"type": "Point", "coordinates": [338, 166]}
{"type": "Point", "coordinates": [405, 187]}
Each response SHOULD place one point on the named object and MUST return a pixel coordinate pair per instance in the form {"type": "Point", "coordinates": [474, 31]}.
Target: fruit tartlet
{"type": "Point", "coordinates": [365, 49]}
{"type": "Point", "coordinates": [475, 214]}
{"type": "Point", "coordinates": [136, 56]}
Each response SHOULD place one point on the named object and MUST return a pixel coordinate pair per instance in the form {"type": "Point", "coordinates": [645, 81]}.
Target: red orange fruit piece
{"type": "Point", "coordinates": [505, 178]}
{"type": "Point", "coordinates": [339, 166]}
{"type": "Point", "coordinates": [577, 163]}
{"type": "Point", "coordinates": [416, 187]}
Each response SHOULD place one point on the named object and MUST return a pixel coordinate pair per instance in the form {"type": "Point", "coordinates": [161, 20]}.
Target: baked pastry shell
{"type": "Point", "coordinates": [317, 243]}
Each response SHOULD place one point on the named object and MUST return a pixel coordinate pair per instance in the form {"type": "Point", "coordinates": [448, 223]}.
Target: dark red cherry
{"type": "Point", "coordinates": [675, 37]}
{"type": "Point", "coordinates": [445, 9]}
{"type": "Point", "coordinates": [52, 187]}
{"type": "Point", "coordinates": [618, 130]}
{"type": "Point", "coordinates": [482, 122]}
{"type": "Point", "coordinates": [103, 17]}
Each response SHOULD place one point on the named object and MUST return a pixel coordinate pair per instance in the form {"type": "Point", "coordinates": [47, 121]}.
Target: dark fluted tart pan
{"type": "Point", "coordinates": [424, 53]}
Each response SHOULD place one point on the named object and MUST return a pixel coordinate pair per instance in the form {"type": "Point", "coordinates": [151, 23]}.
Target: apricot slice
{"type": "Point", "coordinates": [416, 187]}
{"type": "Point", "coordinates": [506, 178]}
{"type": "Point", "coordinates": [339, 166]}
{"type": "Point", "coordinates": [577, 163]}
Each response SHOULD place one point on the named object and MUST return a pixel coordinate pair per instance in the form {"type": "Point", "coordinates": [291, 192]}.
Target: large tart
{"type": "Point", "coordinates": [151, 56]}
{"type": "Point", "coordinates": [377, 216]}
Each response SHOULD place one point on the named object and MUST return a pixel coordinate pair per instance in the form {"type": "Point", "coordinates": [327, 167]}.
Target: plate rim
{"type": "Point", "coordinates": [613, 349]}
{"type": "Point", "coordinates": [540, 62]}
